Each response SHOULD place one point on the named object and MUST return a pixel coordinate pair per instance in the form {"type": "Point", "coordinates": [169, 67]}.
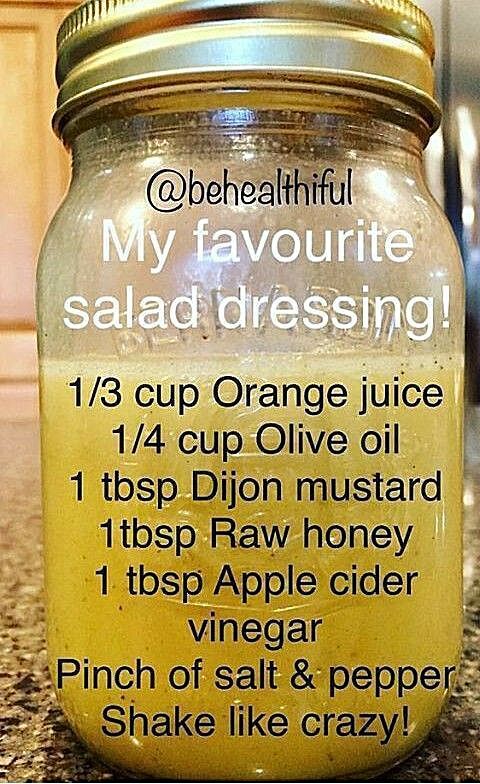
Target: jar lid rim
{"type": "Point", "coordinates": [371, 43]}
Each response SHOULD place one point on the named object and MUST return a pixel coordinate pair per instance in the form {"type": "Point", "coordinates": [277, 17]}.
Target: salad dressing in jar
{"type": "Point", "coordinates": [251, 352]}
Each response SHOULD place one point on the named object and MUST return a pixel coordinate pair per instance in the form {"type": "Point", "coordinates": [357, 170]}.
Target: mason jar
{"type": "Point", "coordinates": [251, 352]}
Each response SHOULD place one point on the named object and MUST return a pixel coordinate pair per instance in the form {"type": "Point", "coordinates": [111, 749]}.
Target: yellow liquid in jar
{"type": "Point", "coordinates": [419, 630]}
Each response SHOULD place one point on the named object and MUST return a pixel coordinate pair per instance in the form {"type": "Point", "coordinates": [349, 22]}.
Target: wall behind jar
{"type": "Point", "coordinates": [34, 171]}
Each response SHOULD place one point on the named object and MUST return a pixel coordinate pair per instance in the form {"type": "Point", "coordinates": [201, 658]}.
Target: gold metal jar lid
{"type": "Point", "coordinates": [377, 47]}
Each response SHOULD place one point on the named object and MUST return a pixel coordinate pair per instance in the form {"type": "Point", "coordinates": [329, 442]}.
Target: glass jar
{"type": "Point", "coordinates": [251, 356]}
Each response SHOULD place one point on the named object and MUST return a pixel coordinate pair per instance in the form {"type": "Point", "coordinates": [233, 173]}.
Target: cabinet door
{"type": "Point", "coordinates": [34, 170]}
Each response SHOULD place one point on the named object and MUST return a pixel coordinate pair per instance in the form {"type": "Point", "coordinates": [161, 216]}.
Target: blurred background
{"type": "Point", "coordinates": [34, 171]}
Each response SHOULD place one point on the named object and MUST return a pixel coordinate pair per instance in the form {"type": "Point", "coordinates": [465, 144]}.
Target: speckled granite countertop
{"type": "Point", "coordinates": [35, 741]}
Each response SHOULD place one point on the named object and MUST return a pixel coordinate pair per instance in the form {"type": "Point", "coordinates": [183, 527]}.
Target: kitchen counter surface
{"type": "Point", "coordinates": [35, 741]}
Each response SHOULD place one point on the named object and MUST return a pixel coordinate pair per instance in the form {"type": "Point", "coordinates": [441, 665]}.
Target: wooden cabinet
{"type": "Point", "coordinates": [34, 171]}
